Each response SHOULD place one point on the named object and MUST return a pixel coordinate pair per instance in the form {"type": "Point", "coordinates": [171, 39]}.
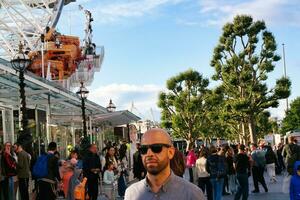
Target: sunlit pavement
{"type": "Point", "coordinates": [275, 190]}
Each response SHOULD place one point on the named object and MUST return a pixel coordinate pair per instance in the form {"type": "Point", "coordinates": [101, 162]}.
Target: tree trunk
{"type": "Point", "coordinates": [190, 141]}
{"type": "Point", "coordinates": [252, 131]}
{"type": "Point", "coordinates": [244, 133]}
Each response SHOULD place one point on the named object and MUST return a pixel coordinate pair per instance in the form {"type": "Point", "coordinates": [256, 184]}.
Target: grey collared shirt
{"type": "Point", "coordinates": [174, 188]}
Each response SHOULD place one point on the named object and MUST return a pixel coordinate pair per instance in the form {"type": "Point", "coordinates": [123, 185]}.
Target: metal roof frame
{"type": "Point", "coordinates": [39, 90]}
{"type": "Point", "coordinates": [65, 105]}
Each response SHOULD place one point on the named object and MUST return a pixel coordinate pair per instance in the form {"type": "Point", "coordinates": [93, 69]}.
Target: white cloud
{"type": "Point", "coordinates": [279, 112]}
{"type": "Point", "coordinates": [107, 11]}
{"type": "Point", "coordinates": [144, 97]}
{"type": "Point", "coordinates": [272, 11]}
{"type": "Point", "coordinates": [202, 12]}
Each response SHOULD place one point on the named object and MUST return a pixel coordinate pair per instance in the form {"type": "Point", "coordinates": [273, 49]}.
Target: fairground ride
{"type": "Point", "coordinates": [54, 56]}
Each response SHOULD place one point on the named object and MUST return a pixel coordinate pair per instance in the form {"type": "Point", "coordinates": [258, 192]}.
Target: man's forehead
{"type": "Point", "coordinates": [156, 136]}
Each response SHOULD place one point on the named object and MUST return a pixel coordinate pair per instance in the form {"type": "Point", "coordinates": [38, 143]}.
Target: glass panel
{"type": "Point", "coordinates": [9, 126]}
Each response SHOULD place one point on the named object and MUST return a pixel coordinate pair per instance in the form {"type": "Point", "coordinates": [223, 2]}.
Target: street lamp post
{"type": "Point", "coordinates": [284, 72]}
{"type": "Point", "coordinates": [83, 93]}
{"type": "Point", "coordinates": [20, 62]}
{"type": "Point", "coordinates": [85, 143]}
{"type": "Point", "coordinates": [111, 106]}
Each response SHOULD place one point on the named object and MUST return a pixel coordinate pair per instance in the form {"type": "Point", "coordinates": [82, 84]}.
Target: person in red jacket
{"type": "Point", "coordinates": [9, 169]}
{"type": "Point", "coordinates": [191, 159]}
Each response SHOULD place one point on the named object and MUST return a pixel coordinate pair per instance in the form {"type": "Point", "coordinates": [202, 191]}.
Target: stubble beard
{"type": "Point", "coordinates": [156, 170]}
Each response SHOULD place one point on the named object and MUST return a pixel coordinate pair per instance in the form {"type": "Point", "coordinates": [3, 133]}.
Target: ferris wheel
{"type": "Point", "coordinates": [26, 20]}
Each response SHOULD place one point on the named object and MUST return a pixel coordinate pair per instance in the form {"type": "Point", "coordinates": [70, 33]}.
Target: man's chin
{"type": "Point", "coordinates": [153, 171]}
{"type": "Point", "coordinates": [151, 165]}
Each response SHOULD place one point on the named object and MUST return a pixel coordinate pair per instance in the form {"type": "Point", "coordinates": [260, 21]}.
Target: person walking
{"type": "Point", "coordinates": [242, 167]}
{"type": "Point", "coordinates": [23, 171]}
{"type": "Point", "coordinates": [223, 152]}
{"type": "Point", "coordinates": [202, 174]}
{"type": "Point", "coordinates": [91, 170]}
{"type": "Point", "coordinates": [216, 167]}
{"type": "Point", "coordinates": [46, 186]}
{"type": "Point", "coordinates": [258, 167]}
{"type": "Point", "coordinates": [232, 187]}
{"type": "Point", "coordinates": [122, 170]}
{"type": "Point", "coordinates": [270, 163]}
{"type": "Point", "coordinates": [291, 153]}
{"type": "Point", "coordinates": [281, 164]}
{"type": "Point", "coordinates": [160, 182]}
{"type": "Point", "coordinates": [139, 170]}
{"type": "Point", "coordinates": [190, 162]}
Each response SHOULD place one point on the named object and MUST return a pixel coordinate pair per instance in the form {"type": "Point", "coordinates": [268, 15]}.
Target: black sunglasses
{"type": "Point", "coordinates": [155, 148]}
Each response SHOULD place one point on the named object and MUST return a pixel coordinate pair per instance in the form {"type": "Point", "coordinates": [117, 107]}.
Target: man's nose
{"type": "Point", "coordinates": [149, 152]}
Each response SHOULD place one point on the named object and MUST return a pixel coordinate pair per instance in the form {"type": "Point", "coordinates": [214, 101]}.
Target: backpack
{"type": "Point", "coordinates": [260, 158]}
{"type": "Point", "coordinates": [40, 168]}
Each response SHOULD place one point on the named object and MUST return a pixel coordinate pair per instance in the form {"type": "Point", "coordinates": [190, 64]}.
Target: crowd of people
{"type": "Point", "coordinates": [225, 170]}
{"type": "Point", "coordinates": [158, 167]}
{"type": "Point", "coordinates": [49, 176]}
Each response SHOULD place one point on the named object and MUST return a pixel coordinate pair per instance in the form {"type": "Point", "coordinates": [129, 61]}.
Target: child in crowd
{"type": "Point", "coordinates": [295, 183]}
{"type": "Point", "coordinates": [74, 159]}
{"type": "Point", "coordinates": [109, 176]}
{"type": "Point", "coordinates": [109, 179]}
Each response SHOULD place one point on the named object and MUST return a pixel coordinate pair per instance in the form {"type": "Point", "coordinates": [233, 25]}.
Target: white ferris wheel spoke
{"type": "Point", "coordinates": [26, 20]}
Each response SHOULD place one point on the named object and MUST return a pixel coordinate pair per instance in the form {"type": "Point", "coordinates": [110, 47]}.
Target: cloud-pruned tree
{"type": "Point", "coordinates": [242, 59]}
{"type": "Point", "coordinates": [184, 105]}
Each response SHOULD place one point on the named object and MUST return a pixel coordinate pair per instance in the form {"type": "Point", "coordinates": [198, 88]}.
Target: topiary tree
{"type": "Point", "coordinates": [243, 58]}
{"type": "Point", "coordinates": [183, 105]}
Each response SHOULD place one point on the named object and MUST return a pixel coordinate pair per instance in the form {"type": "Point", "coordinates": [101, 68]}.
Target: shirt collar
{"type": "Point", "coordinates": [164, 186]}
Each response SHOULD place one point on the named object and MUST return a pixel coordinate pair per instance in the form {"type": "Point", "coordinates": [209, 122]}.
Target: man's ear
{"type": "Point", "coordinates": [171, 152]}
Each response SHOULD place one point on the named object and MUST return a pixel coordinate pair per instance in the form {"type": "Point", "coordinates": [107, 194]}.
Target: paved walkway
{"type": "Point", "coordinates": [275, 190]}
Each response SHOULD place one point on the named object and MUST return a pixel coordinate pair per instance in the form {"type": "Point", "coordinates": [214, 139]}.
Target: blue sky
{"type": "Point", "coordinates": [148, 41]}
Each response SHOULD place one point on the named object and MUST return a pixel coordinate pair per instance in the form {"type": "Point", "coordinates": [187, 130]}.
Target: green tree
{"type": "Point", "coordinates": [219, 124]}
{"type": "Point", "coordinates": [184, 106]}
{"type": "Point", "coordinates": [292, 118]}
{"type": "Point", "coordinates": [264, 125]}
{"type": "Point", "coordinates": [244, 56]}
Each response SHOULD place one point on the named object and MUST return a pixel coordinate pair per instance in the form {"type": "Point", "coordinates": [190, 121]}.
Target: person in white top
{"type": "Point", "coordinates": [202, 174]}
{"type": "Point", "coordinates": [109, 179]}
{"type": "Point", "coordinates": [109, 176]}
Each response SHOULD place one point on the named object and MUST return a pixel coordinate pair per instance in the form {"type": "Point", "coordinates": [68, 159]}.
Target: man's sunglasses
{"type": "Point", "coordinates": [155, 148]}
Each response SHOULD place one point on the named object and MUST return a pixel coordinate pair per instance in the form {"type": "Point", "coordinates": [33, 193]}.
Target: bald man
{"type": "Point", "coordinates": [160, 182]}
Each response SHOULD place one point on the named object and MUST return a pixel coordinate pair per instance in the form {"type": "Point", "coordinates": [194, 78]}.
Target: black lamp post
{"type": "Point", "coordinates": [83, 93]}
{"type": "Point", "coordinates": [20, 62]}
{"type": "Point", "coordinates": [111, 106]}
{"type": "Point", "coordinates": [85, 142]}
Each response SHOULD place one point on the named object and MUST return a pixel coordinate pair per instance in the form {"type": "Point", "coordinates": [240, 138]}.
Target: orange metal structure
{"type": "Point", "coordinates": [62, 53]}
